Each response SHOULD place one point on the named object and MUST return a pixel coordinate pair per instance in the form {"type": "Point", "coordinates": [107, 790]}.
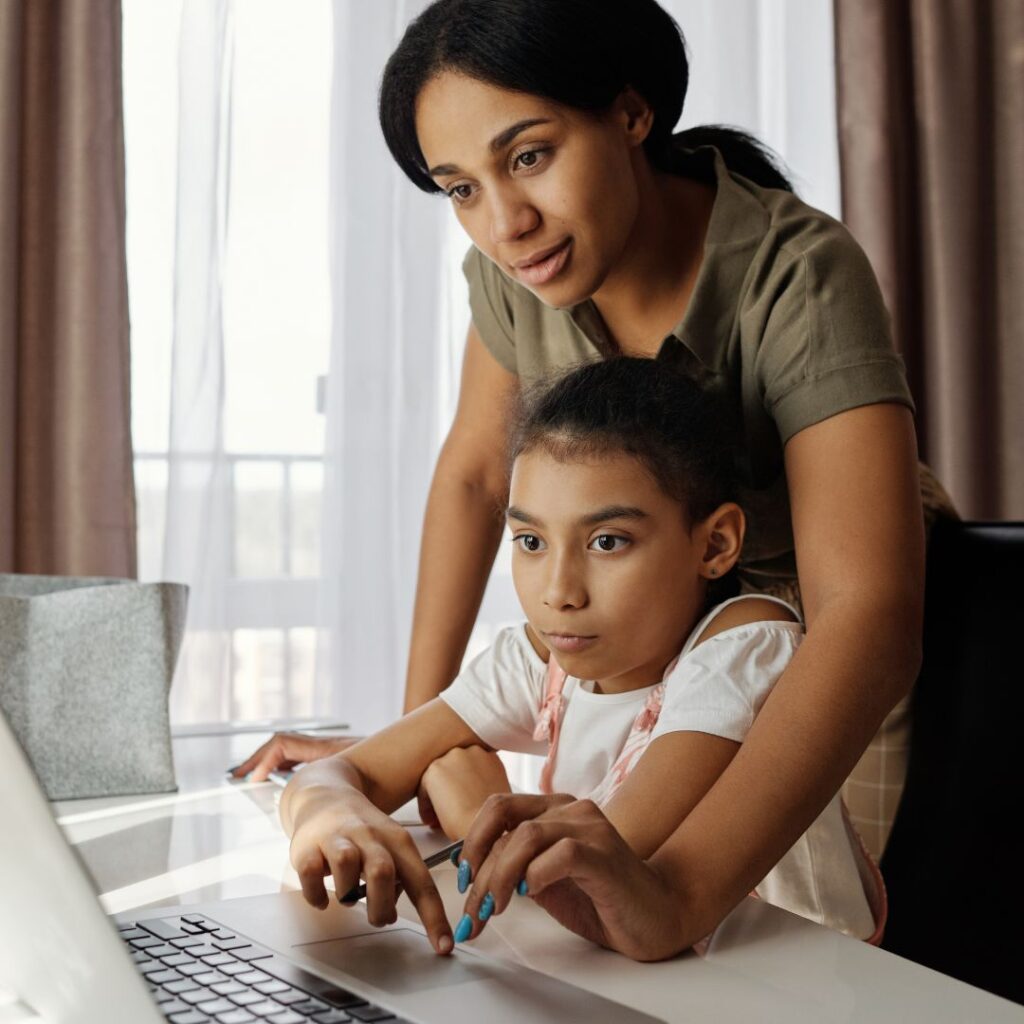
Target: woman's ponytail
{"type": "Point", "coordinates": [743, 154]}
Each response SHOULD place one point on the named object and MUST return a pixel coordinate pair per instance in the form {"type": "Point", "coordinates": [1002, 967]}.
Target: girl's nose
{"type": "Point", "coordinates": [565, 587]}
{"type": "Point", "coordinates": [511, 216]}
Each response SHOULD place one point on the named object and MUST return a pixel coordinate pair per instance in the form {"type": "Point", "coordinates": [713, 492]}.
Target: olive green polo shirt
{"type": "Point", "coordinates": [786, 322]}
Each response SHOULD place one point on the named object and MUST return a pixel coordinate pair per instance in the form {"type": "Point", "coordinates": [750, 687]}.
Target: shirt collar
{"type": "Point", "coordinates": [735, 230]}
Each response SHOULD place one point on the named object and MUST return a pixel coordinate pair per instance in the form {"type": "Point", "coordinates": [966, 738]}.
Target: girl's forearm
{"type": "Point", "coordinates": [806, 739]}
{"type": "Point", "coordinates": [461, 532]}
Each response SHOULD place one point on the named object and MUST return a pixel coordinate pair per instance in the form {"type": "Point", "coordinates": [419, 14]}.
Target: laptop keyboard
{"type": "Point", "coordinates": [199, 973]}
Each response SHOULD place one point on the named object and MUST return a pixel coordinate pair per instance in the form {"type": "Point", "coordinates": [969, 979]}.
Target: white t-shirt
{"type": "Point", "coordinates": [716, 687]}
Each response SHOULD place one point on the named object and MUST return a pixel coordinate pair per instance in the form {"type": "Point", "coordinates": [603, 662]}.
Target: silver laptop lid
{"type": "Point", "coordinates": [59, 953]}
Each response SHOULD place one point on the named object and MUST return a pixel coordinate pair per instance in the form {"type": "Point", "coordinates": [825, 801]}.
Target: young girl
{"type": "Point", "coordinates": [627, 675]}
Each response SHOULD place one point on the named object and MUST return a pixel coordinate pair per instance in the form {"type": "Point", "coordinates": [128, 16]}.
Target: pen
{"type": "Point", "coordinates": [448, 853]}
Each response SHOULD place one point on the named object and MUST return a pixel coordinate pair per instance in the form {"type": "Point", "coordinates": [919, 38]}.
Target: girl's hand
{"type": "Point", "coordinates": [565, 855]}
{"type": "Point", "coordinates": [287, 749]}
{"type": "Point", "coordinates": [346, 837]}
{"type": "Point", "coordinates": [456, 786]}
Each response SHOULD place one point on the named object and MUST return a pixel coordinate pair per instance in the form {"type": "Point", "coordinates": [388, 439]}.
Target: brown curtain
{"type": "Point", "coordinates": [67, 502]}
{"type": "Point", "coordinates": [931, 133]}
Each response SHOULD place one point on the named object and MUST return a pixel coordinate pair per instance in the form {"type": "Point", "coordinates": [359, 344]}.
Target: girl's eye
{"type": "Point", "coordinates": [608, 542]}
{"type": "Point", "coordinates": [460, 193]}
{"type": "Point", "coordinates": [528, 542]}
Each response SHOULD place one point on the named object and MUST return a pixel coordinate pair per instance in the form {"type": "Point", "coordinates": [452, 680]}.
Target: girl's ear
{"type": "Point", "coordinates": [723, 532]}
{"type": "Point", "coordinates": [635, 115]}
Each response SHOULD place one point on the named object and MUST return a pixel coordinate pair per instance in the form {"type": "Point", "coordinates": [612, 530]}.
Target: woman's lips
{"type": "Point", "coordinates": [568, 643]}
{"type": "Point", "coordinates": [546, 269]}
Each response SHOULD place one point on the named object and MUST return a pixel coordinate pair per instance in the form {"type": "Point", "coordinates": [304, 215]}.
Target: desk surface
{"type": "Point", "coordinates": [217, 840]}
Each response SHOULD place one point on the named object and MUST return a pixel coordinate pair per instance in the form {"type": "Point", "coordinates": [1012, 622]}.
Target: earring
{"type": "Point", "coordinates": [712, 571]}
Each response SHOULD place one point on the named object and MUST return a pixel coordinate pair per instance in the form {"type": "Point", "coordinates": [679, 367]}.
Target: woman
{"type": "Point", "coordinates": [595, 232]}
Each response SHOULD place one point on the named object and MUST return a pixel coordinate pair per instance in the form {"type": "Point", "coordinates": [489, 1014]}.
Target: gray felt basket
{"type": "Point", "coordinates": [85, 670]}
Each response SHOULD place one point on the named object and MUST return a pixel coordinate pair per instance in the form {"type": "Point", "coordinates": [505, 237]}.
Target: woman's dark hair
{"type": "Point", "coordinates": [640, 407]}
{"type": "Point", "coordinates": [580, 53]}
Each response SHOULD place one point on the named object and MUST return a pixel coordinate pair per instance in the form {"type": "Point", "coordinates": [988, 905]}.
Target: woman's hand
{"type": "Point", "coordinates": [456, 786]}
{"type": "Point", "coordinates": [286, 749]}
{"type": "Point", "coordinates": [347, 837]}
{"type": "Point", "coordinates": [566, 856]}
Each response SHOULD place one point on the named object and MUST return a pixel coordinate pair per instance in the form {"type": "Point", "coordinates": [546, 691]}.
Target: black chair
{"type": "Point", "coordinates": [954, 865]}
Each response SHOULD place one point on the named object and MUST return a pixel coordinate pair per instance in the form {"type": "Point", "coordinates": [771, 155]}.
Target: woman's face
{"type": "Point", "coordinates": [609, 575]}
{"type": "Point", "coordinates": [547, 192]}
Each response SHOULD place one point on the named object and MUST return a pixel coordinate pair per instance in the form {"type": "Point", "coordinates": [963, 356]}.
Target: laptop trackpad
{"type": "Point", "coordinates": [399, 960]}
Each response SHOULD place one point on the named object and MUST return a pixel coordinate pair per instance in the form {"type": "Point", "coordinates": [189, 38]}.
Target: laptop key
{"type": "Point", "coordinates": [251, 953]}
{"type": "Point", "coordinates": [166, 930]}
{"type": "Point", "coordinates": [174, 1006]}
{"type": "Point", "coordinates": [272, 985]}
{"type": "Point", "coordinates": [215, 1006]}
{"type": "Point", "coordinates": [177, 987]}
{"type": "Point", "coordinates": [331, 1017]}
{"type": "Point", "coordinates": [291, 996]}
{"type": "Point", "coordinates": [228, 988]}
{"type": "Point", "coordinates": [191, 929]}
{"type": "Point", "coordinates": [309, 1006]}
{"type": "Point", "coordinates": [188, 940]}
{"type": "Point", "coordinates": [234, 968]}
{"type": "Point", "coordinates": [217, 959]}
{"type": "Point", "coordinates": [210, 978]}
{"type": "Point", "coordinates": [223, 933]}
{"type": "Point", "coordinates": [162, 977]}
{"type": "Point", "coordinates": [146, 942]}
{"type": "Point", "coordinates": [371, 1013]}
{"type": "Point", "coordinates": [230, 942]}
{"type": "Point", "coordinates": [133, 933]}
{"type": "Point", "coordinates": [179, 960]}
{"type": "Point", "coordinates": [288, 1017]}
{"type": "Point", "coordinates": [150, 967]}
{"type": "Point", "coordinates": [161, 950]}
{"type": "Point", "coordinates": [196, 919]}
{"type": "Point", "coordinates": [189, 1017]}
{"type": "Point", "coordinates": [194, 968]}
{"type": "Point", "coordinates": [246, 998]}
{"type": "Point", "coordinates": [264, 1009]}
{"type": "Point", "coordinates": [252, 977]}
{"type": "Point", "coordinates": [205, 949]}
{"type": "Point", "coordinates": [198, 995]}
{"type": "Point", "coordinates": [236, 1017]}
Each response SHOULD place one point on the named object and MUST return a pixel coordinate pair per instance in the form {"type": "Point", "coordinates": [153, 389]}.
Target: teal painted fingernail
{"type": "Point", "coordinates": [454, 858]}
{"type": "Point", "coordinates": [465, 875]}
{"type": "Point", "coordinates": [464, 928]}
{"type": "Point", "coordinates": [486, 907]}
{"type": "Point", "coordinates": [521, 888]}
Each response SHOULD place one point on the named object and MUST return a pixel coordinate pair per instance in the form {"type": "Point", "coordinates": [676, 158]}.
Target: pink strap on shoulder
{"type": "Point", "coordinates": [549, 719]}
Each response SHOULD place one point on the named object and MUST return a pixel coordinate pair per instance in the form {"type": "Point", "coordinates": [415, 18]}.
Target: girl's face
{"type": "Point", "coordinates": [609, 574]}
{"type": "Point", "coordinates": [547, 192]}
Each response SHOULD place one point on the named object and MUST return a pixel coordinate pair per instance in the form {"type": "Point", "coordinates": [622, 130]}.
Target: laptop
{"type": "Point", "coordinates": [266, 958]}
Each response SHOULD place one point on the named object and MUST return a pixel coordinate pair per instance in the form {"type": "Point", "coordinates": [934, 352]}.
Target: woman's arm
{"type": "Point", "coordinates": [463, 524]}
{"type": "Point", "coordinates": [858, 529]}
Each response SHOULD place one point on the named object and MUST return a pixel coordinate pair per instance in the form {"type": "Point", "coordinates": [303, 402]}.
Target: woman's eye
{"type": "Point", "coordinates": [528, 542]}
{"type": "Point", "coordinates": [460, 193]}
{"type": "Point", "coordinates": [529, 159]}
{"type": "Point", "coordinates": [609, 542]}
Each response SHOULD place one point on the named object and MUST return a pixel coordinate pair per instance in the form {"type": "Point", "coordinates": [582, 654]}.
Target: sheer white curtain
{"type": "Point", "coordinates": [197, 538]}
{"type": "Point", "coordinates": [387, 241]}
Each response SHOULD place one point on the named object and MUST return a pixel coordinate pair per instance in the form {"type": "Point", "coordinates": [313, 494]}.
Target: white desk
{"type": "Point", "coordinates": [217, 840]}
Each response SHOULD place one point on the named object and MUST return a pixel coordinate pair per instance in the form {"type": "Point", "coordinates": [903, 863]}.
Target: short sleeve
{"type": "Point", "coordinates": [490, 304]}
{"type": "Point", "coordinates": [827, 344]}
{"type": "Point", "coordinates": [500, 692]}
{"type": "Point", "coordinates": [720, 685]}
